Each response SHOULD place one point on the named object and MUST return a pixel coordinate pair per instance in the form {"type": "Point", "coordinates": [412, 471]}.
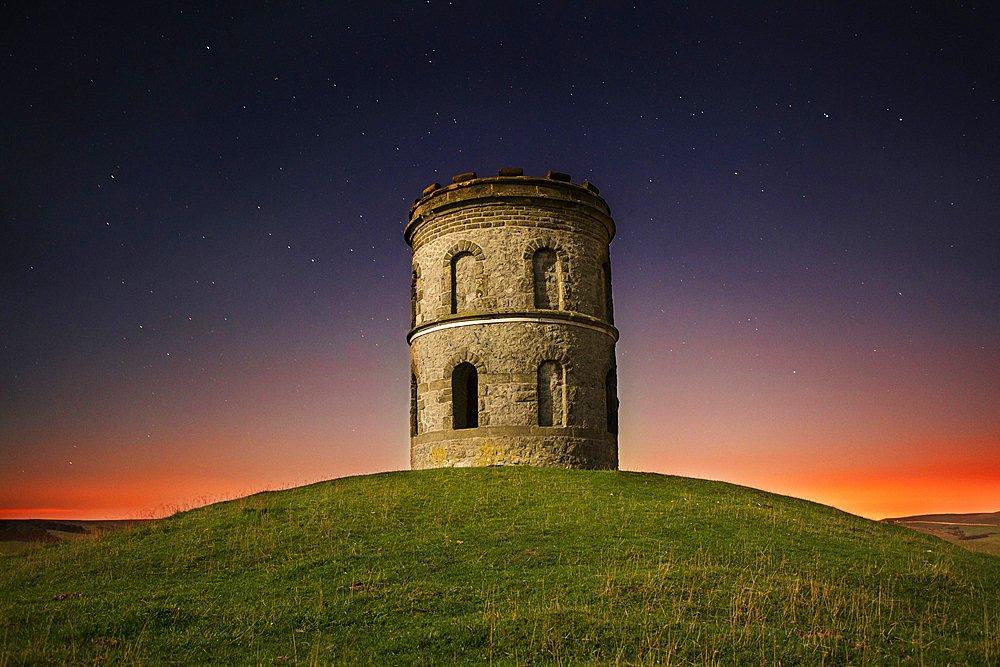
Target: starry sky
{"type": "Point", "coordinates": [205, 283]}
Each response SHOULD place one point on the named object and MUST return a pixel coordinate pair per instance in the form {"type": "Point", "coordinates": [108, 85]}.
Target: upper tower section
{"type": "Point", "coordinates": [548, 241]}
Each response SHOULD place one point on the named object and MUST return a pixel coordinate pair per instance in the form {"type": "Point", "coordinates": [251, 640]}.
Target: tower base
{"type": "Point", "coordinates": [516, 445]}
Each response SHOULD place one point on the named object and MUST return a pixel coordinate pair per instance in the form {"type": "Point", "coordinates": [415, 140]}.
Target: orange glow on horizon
{"type": "Point", "coordinates": [922, 485]}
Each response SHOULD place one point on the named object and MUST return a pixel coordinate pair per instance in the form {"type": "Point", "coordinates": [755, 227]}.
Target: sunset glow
{"type": "Point", "coordinates": [206, 286]}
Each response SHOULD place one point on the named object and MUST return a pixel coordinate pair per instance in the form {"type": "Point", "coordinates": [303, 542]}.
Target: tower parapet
{"type": "Point", "coordinates": [512, 340]}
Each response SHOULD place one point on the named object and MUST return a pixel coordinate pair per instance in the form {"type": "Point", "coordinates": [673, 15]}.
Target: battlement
{"type": "Point", "coordinates": [510, 185]}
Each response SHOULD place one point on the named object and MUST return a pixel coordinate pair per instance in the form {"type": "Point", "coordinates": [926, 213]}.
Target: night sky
{"type": "Point", "coordinates": [205, 283]}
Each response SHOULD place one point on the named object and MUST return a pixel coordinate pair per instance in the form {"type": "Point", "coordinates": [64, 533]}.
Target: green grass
{"type": "Point", "coordinates": [8, 548]}
{"type": "Point", "coordinates": [509, 566]}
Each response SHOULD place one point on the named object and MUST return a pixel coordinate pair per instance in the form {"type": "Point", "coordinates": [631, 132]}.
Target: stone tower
{"type": "Point", "coordinates": [512, 341]}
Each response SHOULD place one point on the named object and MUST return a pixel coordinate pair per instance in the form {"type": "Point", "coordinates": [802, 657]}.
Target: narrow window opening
{"type": "Point", "coordinates": [611, 400]}
{"type": "Point", "coordinates": [548, 288]}
{"type": "Point", "coordinates": [465, 396]}
{"type": "Point", "coordinates": [551, 401]}
{"type": "Point", "coordinates": [414, 417]}
{"type": "Point", "coordinates": [463, 283]}
{"type": "Point", "coordinates": [414, 298]}
{"type": "Point", "coordinates": [609, 309]}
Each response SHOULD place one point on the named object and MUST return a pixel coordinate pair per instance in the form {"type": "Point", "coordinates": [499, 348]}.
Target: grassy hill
{"type": "Point", "coordinates": [507, 565]}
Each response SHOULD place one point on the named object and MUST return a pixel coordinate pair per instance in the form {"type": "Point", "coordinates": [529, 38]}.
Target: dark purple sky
{"type": "Point", "coordinates": [206, 284]}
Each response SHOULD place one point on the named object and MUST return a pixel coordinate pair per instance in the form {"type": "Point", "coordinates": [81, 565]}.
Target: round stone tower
{"type": "Point", "coordinates": [512, 345]}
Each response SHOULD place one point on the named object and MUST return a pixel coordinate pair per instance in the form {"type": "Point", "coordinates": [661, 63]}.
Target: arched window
{"type": "Point", "coordinates": [465, 396]}
{"type": "Point", "coordinates": [611, 400]}
{"type": "Point", "coordinates": [609, 308]}
{"type": "Point", "coordinates": [414, 420]}
{"type": "Point", "coordinates": [463, 283]}
{"type": "Point", "coordinates": [551, 403]}
{"type": "Point", "coordinates": [548, 281]}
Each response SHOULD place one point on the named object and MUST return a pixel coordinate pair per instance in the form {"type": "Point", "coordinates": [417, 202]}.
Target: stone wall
{"type": "Point", "coordinates": [511, 275]}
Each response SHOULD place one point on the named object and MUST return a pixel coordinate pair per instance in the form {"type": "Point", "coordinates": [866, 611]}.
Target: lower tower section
{"type": "Point", "coordinates": [514, 390]}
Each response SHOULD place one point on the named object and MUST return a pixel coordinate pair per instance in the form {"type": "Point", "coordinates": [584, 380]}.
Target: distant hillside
{"type": "Point", "coordinates": [514, 565]}
{"type": "Point", "coordinates": [988, 518]}
{"type": "Point", "coordinates": [18, 534]}
{"type": "Point", "coordinates": [980, 532]}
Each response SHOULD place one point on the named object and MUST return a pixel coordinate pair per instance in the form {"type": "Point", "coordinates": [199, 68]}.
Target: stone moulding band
{"type": "Point", "coordinates": [605, 329]}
